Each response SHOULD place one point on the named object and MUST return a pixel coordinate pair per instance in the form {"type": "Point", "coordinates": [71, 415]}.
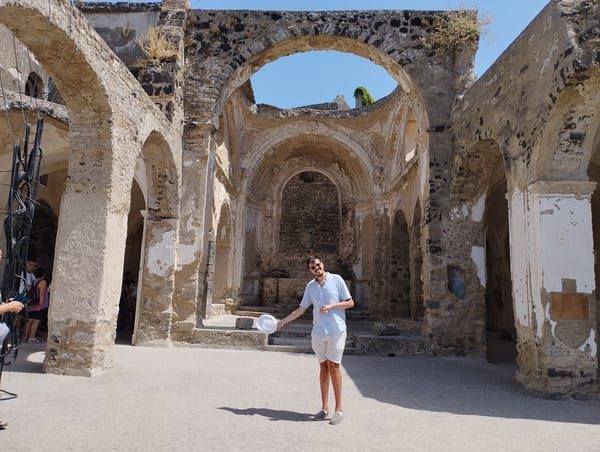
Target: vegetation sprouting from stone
{"type": "Point", "coordinates": [363, 94]}
{"type": "Point", "coordinates": [156, 46]}
{"type": "Point", "coordinates": [456, 29]}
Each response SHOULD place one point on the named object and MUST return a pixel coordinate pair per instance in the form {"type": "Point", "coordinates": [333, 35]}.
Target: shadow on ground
{"type": "Point", "coordinates": [270, 414]}
{"type": "Point", "coordinates": [460, 386]}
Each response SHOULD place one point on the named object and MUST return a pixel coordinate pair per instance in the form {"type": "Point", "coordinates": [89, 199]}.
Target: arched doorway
{"type": "Point", "coordinates": [500, 331]}
{"type": "Point", "coordinates": [131, 267]}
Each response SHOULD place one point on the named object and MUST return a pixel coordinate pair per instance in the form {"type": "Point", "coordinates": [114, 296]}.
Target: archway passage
{"type": "Point", "coordinates": [133, 249]}
{"type": "Point", "coordinates": [500, 323]}
{"type": "Point", "coordinates": [43, 236]}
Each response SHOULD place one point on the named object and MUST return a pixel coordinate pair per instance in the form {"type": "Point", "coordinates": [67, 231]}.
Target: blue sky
{"type": "Point", "coordinates": [314, 77]}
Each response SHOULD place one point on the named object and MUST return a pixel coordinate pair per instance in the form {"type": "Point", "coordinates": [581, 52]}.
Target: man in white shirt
{"type": "Point", "coordinates": [330, 297]}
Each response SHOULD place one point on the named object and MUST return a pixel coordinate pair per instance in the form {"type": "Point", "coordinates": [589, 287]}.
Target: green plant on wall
{"type": "Point", "coordinates": [364, 95]}
{"type": "Point", "coordinates": [456, 29]}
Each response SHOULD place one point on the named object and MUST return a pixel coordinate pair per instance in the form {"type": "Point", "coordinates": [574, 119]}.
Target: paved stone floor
{"type": "Point", "coordinates": [197, 399]}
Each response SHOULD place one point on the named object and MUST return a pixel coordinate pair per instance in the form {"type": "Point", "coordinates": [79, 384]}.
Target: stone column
{"type": "Point", "coordinates": [189, 277]}
{"type": "Point", "coordinates": [455, 293]}
{"type": "Point", "coordinates": [552, 265]}
{"type": "Point", "coordinates": [88, 269]}
{"type": "Point", "coordinates": [154, 311]}
{"type": "Point", "coordinates": [380, 302]}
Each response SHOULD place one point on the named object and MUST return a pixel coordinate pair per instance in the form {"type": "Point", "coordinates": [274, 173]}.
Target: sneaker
{"type": "Point", "coordinates": [33, 340]}
{"type": "Point", "coordinates": [336, 418]}
{"type": "Point", "coordinates": [321, 415]}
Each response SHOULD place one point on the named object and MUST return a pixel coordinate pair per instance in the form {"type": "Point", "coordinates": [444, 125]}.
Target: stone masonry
{"type": "Point", "coordinates": [469, 206]}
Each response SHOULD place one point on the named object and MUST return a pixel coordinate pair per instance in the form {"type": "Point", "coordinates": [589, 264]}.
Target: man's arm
{"type": "Point", "coordinates": [11, 306]}
{"type": "Point", "coordinates": [291, 317]}
{"type": "Point", "coordinates": [346, 304]}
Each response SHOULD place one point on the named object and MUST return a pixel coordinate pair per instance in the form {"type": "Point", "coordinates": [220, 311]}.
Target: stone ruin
{"type": "Point", "coordinates": [469, 206]}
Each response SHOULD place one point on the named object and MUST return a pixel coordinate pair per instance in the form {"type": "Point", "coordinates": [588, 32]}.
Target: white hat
{"type": "Point", "coordinates": [266, 323]}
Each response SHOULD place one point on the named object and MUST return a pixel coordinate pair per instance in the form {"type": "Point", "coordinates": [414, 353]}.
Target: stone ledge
{"type": "Point", "coordinates": [245, 339]}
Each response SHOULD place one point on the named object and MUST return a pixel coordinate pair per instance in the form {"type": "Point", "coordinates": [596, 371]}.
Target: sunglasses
{"type": "Point", "coordinates": [314, 267]}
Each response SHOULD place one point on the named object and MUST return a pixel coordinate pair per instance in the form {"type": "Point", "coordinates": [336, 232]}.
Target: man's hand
{"type": "Point", "coordinates": [325, 308]}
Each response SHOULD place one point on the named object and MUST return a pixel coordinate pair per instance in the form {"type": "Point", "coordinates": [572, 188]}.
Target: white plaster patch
{"type": "Point", "coordinates": [565, 237]}
{"type": "Point", "coordinates": [187, 253]}
{"type": "Point", "coordinates": [160, 255]}
{"type": "Point", "coordinates": [590, 342]}
{"type": "Point", "coordinates": [478, 209]}
{"type": "Point", "coordinates": [553, 323]}
{"type": "Point", "coordinates": [518, 253]}
{"type": "Point", "coordinates": [14, 73]}
{"type": "Point", "coordinates": [478, 257]}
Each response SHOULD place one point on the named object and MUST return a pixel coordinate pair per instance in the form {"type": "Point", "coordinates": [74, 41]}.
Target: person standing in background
{"type": "Point", "coordinates": [36, 306]}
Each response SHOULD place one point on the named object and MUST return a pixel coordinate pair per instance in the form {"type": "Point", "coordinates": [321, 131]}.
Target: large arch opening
{"type": "Point", "coordinates": [304, 70]}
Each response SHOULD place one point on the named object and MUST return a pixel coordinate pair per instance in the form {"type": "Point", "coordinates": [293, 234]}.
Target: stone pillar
{"type": "Point", "coordinates": [552, 265]}
{"type": "Point", "coordinates": [380, 301]}
{"type": "Point", "coordinates": [189, 276]}
{"type": "Point", "coordinates": [415, 258]}
{"type": "Point", "coordinates": [88, 268]}
{"type": "Point", "coordinates": [205, 309]}
{"type": "Point", "coordinates": [455, 306]}
{"type": "Point", "coordinates": [154, 311]}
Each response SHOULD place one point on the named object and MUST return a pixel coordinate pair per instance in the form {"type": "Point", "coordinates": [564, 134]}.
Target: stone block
{"type": "Point", "coordinates": [244, 323]}
{"type": "Point", "coordinates": [386, 329]}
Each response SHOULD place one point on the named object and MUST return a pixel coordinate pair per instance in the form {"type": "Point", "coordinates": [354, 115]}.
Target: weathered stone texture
{"type": "Point", "coordinates": [469, 207]}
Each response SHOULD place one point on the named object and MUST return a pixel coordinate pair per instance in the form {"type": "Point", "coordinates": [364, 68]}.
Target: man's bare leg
{"type": "Point", "coordinates": [336, 381]}
{"type": "Point", "coordinates": [324, 381]}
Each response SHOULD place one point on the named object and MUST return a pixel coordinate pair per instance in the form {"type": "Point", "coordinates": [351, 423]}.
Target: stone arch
{"type": "Point", "coordinates": [162, 177]}
{"type": "Point", "coordinates": [235, 44]}
{"type": "Point", "coordinates": [262, 208]}
{"type": "Point", "coordinates": [290, 146]}
{"type": "Point", "coordinates": [159, 181]}
{"type": "Point", "coordinates": [104, 126]}
{"type": "Point", "coordinates": [358, 164]}
{"type": "Point", "coordinates": [501, 333]}
{"type": "Point", "coordinates": [474, 170]}
{"type": "Point", "coordinates": [566, 147]}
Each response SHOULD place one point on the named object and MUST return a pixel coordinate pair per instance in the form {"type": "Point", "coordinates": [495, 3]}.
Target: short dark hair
{"type": "Point", "coordinates": [311, 259]}
{"type": "Point", "coordinates": [39, 272]}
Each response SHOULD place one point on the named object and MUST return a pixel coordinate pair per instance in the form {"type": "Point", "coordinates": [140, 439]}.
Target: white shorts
{"type": "Point", "coordinates": [329, 347]}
